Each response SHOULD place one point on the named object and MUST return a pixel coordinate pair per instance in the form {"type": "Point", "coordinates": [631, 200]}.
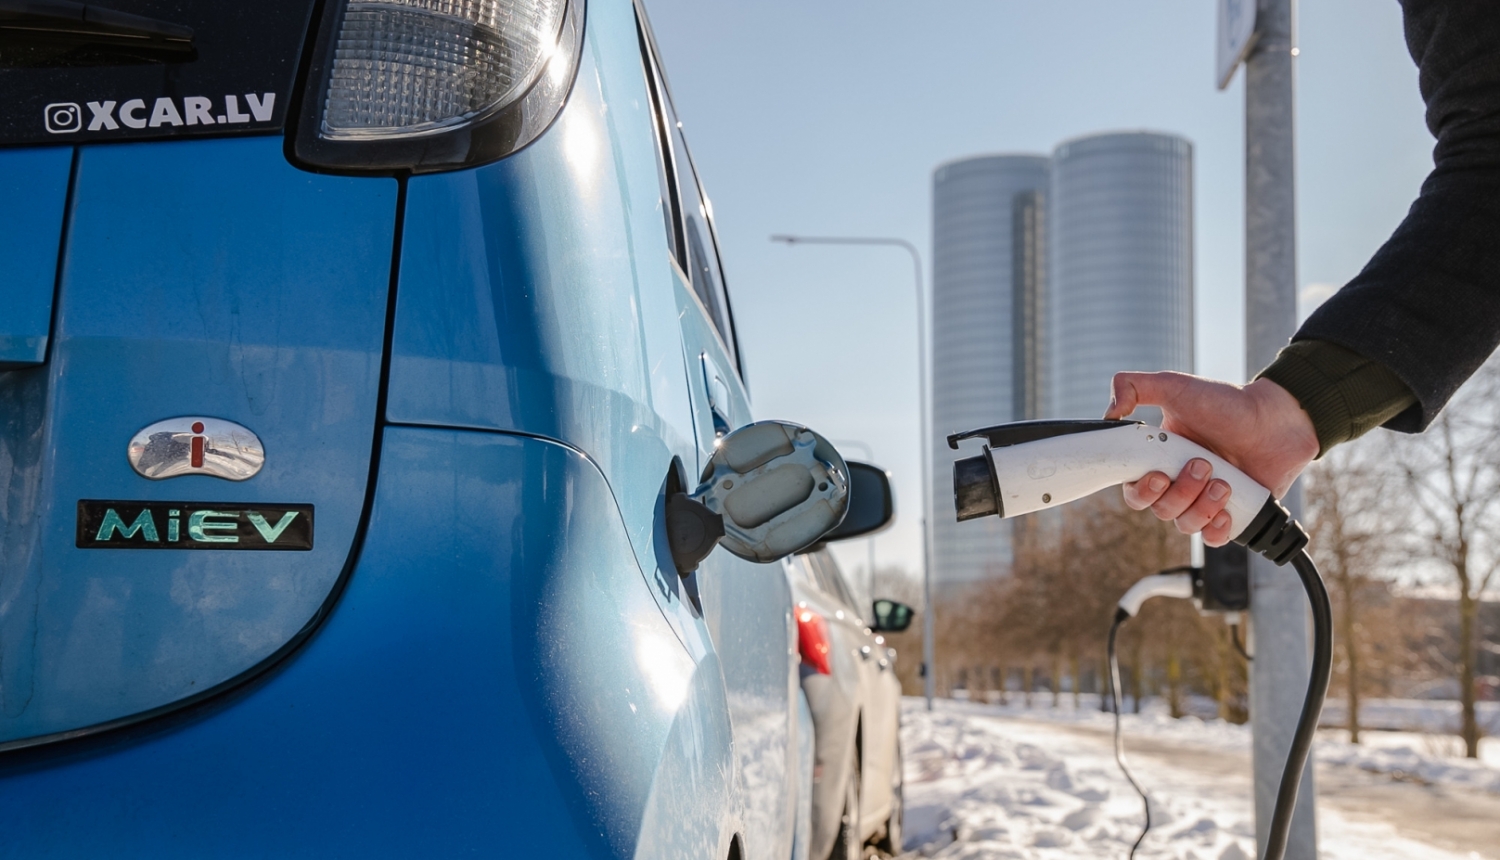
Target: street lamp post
{"type": "Point", "coordinates": [916, 260]}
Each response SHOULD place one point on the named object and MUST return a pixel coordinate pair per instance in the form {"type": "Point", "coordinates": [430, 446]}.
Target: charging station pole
{"type": "Point", "coordinates": [1263, 34]}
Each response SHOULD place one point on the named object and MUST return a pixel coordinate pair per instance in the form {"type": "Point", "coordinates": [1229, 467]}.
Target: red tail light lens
{"type": "Point", "coordinates": [812, 640]}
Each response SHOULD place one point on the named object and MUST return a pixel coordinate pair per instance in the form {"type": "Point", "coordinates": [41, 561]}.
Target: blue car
{"type": "Point", "coordinates": [352, 355]}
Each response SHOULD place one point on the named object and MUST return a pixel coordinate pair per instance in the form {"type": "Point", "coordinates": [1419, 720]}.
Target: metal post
{"type": "Point", "coordinates": [928, 620]}
{"type": "Point", "coordinates": [1278, 608]}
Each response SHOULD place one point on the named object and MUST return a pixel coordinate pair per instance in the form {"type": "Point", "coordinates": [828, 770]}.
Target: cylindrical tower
{"type": "Point", "coordinates": [1121, 264]}
{"type": "Point", "coordinates": [988, 333]}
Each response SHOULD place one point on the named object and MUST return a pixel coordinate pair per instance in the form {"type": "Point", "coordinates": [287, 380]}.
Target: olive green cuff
{"type": "Point", "coordinates": [1345, 394]}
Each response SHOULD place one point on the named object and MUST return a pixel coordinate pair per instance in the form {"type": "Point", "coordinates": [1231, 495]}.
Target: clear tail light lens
{"type": "Point", "coordinates": [425, 85]}
{"type": "Point", "coordinates": [813, 642]}
{"type": "Point", "coordinates": [404, 67]}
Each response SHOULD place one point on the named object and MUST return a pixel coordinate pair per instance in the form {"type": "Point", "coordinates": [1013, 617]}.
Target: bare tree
{"type": "Point", "coordinates": [1349, 508]}
{"type": "Point", "coordinates": [1451, 475]}
{"type": "Point", "coordinates": [1046, 617]}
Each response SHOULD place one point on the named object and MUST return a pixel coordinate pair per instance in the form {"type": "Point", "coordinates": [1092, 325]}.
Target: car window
{"type": "Point", "coordinates": [689, 217]}
{"type": "Point", "coordinates": [820, 577]}
{"type": "Point", "coordinates": [704, 271]}
{"type": "Point", "coordinates": [845, 591]}
{"type": "Point", "coordinates": [702, 259]}
{"type": "Point", "coordinates": [665, 166]}
{"type": "Point", "coordinates": [802, 571]}
{"type": "Point", "coordinates": [830, 578]}
{"type": "Point", "coordinates": [208, 68]}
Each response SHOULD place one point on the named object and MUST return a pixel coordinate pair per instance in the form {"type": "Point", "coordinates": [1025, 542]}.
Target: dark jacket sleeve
{"type": "Point", "coordinates": [1427, 305]}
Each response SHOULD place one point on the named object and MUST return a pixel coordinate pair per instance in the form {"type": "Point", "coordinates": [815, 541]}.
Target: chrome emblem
{"type": "Point", "coordinates": [196, 446]}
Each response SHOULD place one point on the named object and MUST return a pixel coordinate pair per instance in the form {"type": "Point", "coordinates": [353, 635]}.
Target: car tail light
{"type": "Point", "coordinates": [812, 640]}
{"type": "Point", "coordinates": [425, 85]}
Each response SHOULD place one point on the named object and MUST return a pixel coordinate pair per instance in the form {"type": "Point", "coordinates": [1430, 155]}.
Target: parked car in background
{"type": "Point", "coordinates": [350, 353]}
{"type": "Point", "coordinates": [848, 674]}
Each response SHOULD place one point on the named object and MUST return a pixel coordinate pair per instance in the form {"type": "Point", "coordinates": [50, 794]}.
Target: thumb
{"type": "Point", "coordinates": [1129, 390]}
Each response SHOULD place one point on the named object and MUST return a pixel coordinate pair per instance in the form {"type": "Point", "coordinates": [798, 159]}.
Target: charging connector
{"type": "Point", "coordinates": [1174, 582]}
{"type": "Point", "coordinates": [1030, 466]}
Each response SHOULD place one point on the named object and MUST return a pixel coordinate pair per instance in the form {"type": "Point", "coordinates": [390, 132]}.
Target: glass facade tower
{"type": "Point", "coordinates": [1122, 264]}
{"type": "Point", "coordinates": [988, 319]}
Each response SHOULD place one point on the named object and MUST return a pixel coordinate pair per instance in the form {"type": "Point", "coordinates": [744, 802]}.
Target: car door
{"type": "Point", "coordinates": [878, 705]}
{"type": "Point", "coordinates": [747, 606]}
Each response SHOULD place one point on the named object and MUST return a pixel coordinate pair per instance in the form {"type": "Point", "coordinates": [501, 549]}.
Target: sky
{"type": "Point", "coordinates": [829, 116]}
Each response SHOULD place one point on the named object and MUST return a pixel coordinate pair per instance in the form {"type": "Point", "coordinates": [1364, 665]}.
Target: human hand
{"type": "Point", "coordinates": [1259, 427]}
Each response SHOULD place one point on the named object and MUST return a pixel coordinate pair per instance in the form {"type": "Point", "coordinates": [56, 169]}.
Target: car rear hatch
{"type": "Point", "coordinates": [167, 270]}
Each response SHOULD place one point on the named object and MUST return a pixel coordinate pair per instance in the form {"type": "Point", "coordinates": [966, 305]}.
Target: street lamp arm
{"type": "Point", "coordinates": [869, 453]}
{"type": "Point", "coordinates": [911, 249]}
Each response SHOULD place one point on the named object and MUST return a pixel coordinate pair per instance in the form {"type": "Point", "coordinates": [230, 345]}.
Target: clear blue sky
{"type": "Point", "coordinates": [828, 116]}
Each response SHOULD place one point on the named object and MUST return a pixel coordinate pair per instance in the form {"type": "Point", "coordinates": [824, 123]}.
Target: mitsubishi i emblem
{"type": "Point", "coordinates": [196, 446]}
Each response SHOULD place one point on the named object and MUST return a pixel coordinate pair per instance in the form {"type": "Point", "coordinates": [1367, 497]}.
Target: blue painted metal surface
{"type": "Point", "coordinates": [33, 193]}
{"type": "Point", "coordinates": [504, 686]}
{"type": "Point", "coordinates": [748, 610]}
{"type": "Point", "coordinates": [536, 293]}
{"type": "Point", "coordinates": [197, 281]}
{"type": "Point", "coordinates": [514, 666]}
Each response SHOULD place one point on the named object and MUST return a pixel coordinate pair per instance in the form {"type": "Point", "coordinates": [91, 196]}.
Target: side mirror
{"type": "Point", "coordinates": [891, 617]}
{"type": "Point", "coordinates": [770, 489]}
{"type": "Point", "coordinates": [872, 507]}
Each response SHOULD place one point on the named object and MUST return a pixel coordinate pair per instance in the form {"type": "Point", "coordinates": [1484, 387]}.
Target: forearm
{"type": "Point", "coordinates": [1427, 306]}
{"type": "Point", "coordinates": [1345, 394]}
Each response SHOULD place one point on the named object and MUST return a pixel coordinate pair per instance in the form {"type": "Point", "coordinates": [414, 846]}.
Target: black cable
{"type": "Point", "coordinates": [1114, 696]}
{"type": "Point", "coordinates": [1312, 705]}
{"type": "Point", "coordinates": [1234, 636]}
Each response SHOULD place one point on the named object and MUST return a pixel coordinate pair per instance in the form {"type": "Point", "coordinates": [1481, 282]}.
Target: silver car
{"type": "Point", "coordinates": [848, 675]}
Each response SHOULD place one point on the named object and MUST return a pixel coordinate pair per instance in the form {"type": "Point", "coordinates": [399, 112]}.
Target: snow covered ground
{"type": "Point", "coordinates": [988, 781]}
{"type": "Point", "coordinates": [1414, 715]}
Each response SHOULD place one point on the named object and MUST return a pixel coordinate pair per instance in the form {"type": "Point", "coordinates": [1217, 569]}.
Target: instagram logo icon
{"type": "Point", "coordinates": [62, 117]}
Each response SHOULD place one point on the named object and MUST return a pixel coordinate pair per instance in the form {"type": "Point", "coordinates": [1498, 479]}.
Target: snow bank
{"type": "Point", "coordinates": [977, 788]}
{"type": "Point", "coordinates": [1407, 756]}
{"type": "Point", "coordinates": [1416, 758]}
{"type": "Point", "coordinates": [986, 781]}
{"type": "Point", "coordinates": [1411, 715]}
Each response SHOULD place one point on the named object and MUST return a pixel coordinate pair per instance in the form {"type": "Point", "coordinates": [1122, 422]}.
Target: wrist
{"type": "Point", "coordinates": [1282, 415]}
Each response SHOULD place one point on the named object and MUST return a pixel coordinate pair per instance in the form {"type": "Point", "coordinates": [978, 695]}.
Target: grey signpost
{"type": "Point", "coordinates": [1262, 34]}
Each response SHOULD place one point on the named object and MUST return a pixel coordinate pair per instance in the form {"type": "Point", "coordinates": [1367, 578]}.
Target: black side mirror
{"type": "Point", "coordinates": [891, 617]}
{"type": "Point", "coordinates": [871, 505]}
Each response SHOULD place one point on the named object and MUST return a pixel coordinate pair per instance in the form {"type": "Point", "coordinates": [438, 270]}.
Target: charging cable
{"type": "Point", "coordinates": [1283, 541]}
{"type": "Point", "coordinates": [1239, 646]}
{"type": "Point", "coordinates": [1274, 534]}
{"type": "Point", "coordinates": [1312, 704]}
{"type": "Point", "coordinates": [1176, 582]}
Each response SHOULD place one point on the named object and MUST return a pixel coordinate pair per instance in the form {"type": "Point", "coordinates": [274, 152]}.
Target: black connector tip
{"type": "Point", "coordinates": [974, 491]}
